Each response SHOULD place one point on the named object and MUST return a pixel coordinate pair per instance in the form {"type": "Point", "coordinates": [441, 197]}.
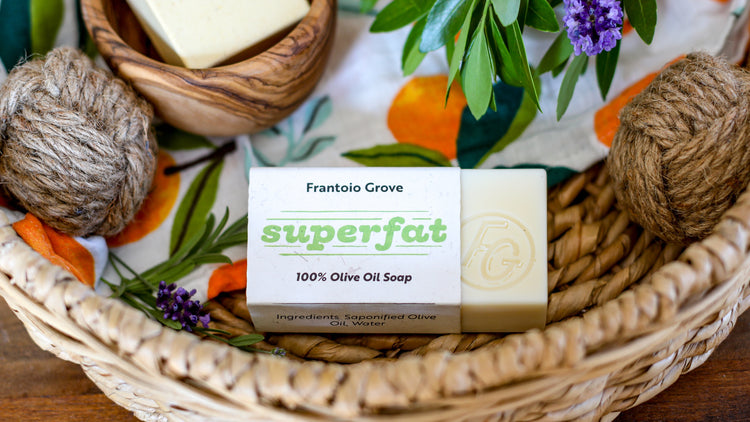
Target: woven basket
{"type": "Point", "coordinates": [628, 315]}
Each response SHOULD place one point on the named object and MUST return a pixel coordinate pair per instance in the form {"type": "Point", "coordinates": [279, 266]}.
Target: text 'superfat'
{"type": "Point", "coordinates": [316, 236]}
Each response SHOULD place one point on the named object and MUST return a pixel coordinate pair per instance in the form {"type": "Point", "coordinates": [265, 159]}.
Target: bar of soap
{"type": "Point", "coordinates": [503, 250]}
{"type": "Point", "coordinates": [394, 250]}
{"type": "Point", "coordinates": [202, 33]}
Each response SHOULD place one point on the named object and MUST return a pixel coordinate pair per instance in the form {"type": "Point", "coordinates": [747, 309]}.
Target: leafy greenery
{"type": "Point", "coordinates": [195, 205]}
{"type": "Point", "coordinates": [46, 19]}
{"type": "Point", "coordinates": [484, 42]}
{"type": "Point", "coordinates": [203, 247]}
{"type": "Point", "coordinates": [398, 155]}
{"type": "Point", "coordinates": [301, 144]}
{"type": "Point", "coordinates": [642, 15]}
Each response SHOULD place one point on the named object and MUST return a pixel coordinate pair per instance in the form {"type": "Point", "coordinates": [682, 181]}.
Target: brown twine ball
{"type": "Point", "coordinates": [76, 145]}
{"type": "Point", "coordinates": [681, 155]}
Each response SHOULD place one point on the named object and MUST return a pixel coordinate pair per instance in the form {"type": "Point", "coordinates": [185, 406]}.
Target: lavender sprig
{"type": "Point", "coordinates": [153, 291]}
{"type": "Point", "coordinates": [176, 304]}
{"type": "Point", "coordinates": [593, 25]}
{"type": "Point", "coordinates": [171, 305]}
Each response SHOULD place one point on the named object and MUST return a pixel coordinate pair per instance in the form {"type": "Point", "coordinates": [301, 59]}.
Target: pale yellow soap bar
{"type": "Point", "coordinates": [503, 250]}
{"type": "Point", "coordinates": [202, 33]}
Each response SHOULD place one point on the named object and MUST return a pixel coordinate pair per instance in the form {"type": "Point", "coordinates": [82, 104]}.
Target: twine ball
{"type": "Point", "coordinates": [76, 145]}
{"type": "Point", "coordinates": [681, 155]}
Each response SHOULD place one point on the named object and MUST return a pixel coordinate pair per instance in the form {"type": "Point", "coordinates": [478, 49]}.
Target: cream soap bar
{"type": "Point", "coordinates": [202, 33]}
{"type": "Point", "coordinates": [397, 250]}
{"type": "Point", "coordinates": [503, 250]}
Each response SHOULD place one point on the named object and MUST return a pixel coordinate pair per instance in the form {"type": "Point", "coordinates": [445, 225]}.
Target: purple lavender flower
{"type": "Point", "coordinates": [593, 25]}
{"type": "Point", "coordinates": [176, 304]}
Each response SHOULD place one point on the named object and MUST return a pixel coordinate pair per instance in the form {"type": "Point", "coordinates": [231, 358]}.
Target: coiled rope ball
{"type": "Point", "coordinates": [76, 145]}
{"type": "Point", "coordinates": [681, 155]}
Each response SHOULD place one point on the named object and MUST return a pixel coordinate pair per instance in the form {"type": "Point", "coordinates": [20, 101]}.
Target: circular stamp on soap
{"type": "Point", "coordinates": [496, 251]}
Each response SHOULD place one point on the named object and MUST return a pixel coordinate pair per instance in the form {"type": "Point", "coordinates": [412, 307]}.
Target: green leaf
{"type": "Point", "coordinates": [15, 32]}
{"type": "Point", "coordinates": [493, 99]}
{"type": "Point", "coordinates": [606, 64]}
{"type": "Point", "coordinates": [503, 64]}
{"type": "Point", "coordinates": [642, 15]}
{"type": "Point", "coordinates": [85, 43]}
{"type": "Point", "coordinates": [557, 53]}
{"type": "Point", "coordinates": [366, 5]}
{"type": "Point", "coordinates": [506, 10]}
{"type": "Point", "coordinates": [398, 155]}
{"type": "Point", "coordinates": [214, 258]}
{"type": "Point", "coordinates": [443, 22]}
{"type": "Point", "coordinates": [317, 112]}
{"type": "Point", "coordinates": [460, 48]}
{"type": "Point", "coordinates": [195, 205]}
{"type": "Point", "coordinates": [174, 139]}
{"type": "Point", "coordinates": [411, 56]}
{"type": "Point", "coordinates": [311, 147]}
{"type": "Point", "coordinates": [569, 82]}
{"type": "Point", "coordinates": [541, 16]}
{"type": "Point", "coordinates": [518, 55]}
{"type": "Point", "coordinates": [400, 13]}
{"type": "Point", "coordinates": [154, 274]}
{"type": "Point", "coordinates": [559, 69]}
{"type": "Point", "coordinates": [46, 19]}
{"type": "Point", "coordinates": [210, 233]}
{"type": "Point", "coordinates": [478, 75]}
{"type": "Point", "coordinates": [246, 340]}
{"type": "Point", "coordinates": [450, 45]}
{"type": "Point", "coordinates": [159, 316]}
{"type": "Point", "coordinates": [525, 115]}
{"type": "Point", "coordinates": [177, 272]}
{"type": "Point", "coordinates": [476, 137]}
{"type": "Point", "coordinates": [522, 9]}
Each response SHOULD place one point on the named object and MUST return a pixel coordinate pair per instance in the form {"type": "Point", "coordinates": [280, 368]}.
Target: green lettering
{"type": "Point", "coordinates": [389, 229]}
{"type": "Point", "coordinates": [436, 228]}
{"type": "Point", "coordinates": [367, 231]}
{"type": "Point", "coordinates": [271, 234]}
{"type": "Point", "coordinates": [300, 237]}
{"type": "Point", "coordinates": [321, 234]}
{"type": "Point", "coordinates": [412, 233]}
{"type": "Point", "coordinates": [346, 234]}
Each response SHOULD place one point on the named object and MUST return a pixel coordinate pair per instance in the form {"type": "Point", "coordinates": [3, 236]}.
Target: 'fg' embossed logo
{"type": "Point", "coordinates": [496, 251]}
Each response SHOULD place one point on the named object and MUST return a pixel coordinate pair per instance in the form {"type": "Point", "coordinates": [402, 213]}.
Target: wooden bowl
{"type": "Point", "coordinates": [242, 97]}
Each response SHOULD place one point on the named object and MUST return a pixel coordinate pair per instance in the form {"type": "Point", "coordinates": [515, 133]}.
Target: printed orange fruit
{"type": "Point", "coordinates": [156, 206]}
{"type": "Point", "coordinates": [419, 114]}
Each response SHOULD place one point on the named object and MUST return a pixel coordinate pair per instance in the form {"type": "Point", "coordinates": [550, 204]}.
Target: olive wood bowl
{"type": "Point", "coordinates": [246, 96]}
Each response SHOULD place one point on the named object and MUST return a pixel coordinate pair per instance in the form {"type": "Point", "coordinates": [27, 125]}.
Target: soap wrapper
{"type": "Point", "coordinates": [354, 250]}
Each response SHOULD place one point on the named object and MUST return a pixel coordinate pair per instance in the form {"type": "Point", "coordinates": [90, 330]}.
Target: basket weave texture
{"type": "Point", "coordinates": [628, 315]}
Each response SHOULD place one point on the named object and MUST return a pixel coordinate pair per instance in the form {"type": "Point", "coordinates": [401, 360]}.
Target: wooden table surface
{"type": "Point", "coordinates": [37, 386]}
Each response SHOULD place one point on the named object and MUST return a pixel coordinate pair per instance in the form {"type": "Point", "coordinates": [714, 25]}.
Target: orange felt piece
{"type": "Point", "coordinates": [227, 278]}
{"type": "Point", "coordinates": [60, 249]}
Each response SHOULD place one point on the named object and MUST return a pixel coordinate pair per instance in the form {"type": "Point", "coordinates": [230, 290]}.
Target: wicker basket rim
{"type": "Point", "coordinates": [132, 337]}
